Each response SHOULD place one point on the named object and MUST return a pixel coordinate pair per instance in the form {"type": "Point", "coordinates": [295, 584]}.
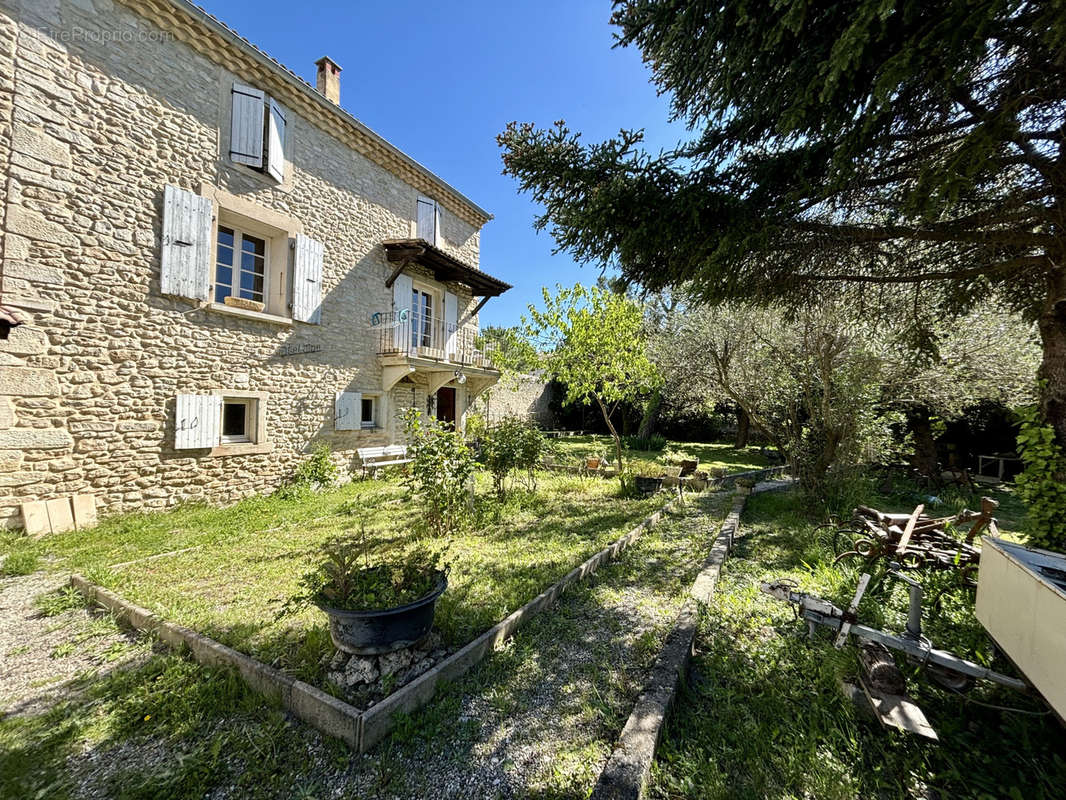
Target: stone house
{"type": "Point", "coordinates": [209, 266]}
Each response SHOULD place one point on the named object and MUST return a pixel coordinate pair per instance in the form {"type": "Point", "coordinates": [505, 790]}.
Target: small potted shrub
{"type": "Point", "coordinates": [745, 485]}
{"type": "Point", "coordinates": [648, 477]}
{"type": "Point", "coordinates": [374, 609]}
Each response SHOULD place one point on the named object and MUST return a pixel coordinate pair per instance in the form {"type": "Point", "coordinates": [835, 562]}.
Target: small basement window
{"type": "Point", "coordinates": [369, 415]}
{"type": "Point", "coordinates": [240, 269]}
{"type": "Point", "coordinates": [238, 419]}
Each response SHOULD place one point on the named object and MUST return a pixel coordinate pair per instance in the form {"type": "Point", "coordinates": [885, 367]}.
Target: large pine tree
{"type": "Point", "coordinates": [855, 142]}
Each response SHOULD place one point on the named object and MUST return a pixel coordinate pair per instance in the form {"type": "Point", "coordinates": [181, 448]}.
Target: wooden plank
{"type": "Point", "coordinates": [84, 506]}
{"type": "Point", "coordinates": [899, 711]}
{"type": "Point", "coordinates": [845, 627]}
{"type": "Point", "coordinates": [35, 518]}
{"type": "Point", "coordinates": [905, 539]}
{"type": "Point", "coordinates": [60, 516]}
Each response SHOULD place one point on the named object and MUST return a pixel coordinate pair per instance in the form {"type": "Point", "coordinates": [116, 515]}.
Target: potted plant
{"type": "Point", "coordinates": [374, 609]}
{"type": "Point", "coordinates": [648, 477]}
{"type": "Point", "coordinates": [745, 485]}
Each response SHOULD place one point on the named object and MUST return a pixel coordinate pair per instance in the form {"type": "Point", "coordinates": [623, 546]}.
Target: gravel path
{"type": "Point", "coordinates": [541, 716]}
{"type": "Point", "coordinates": [537, 719]}
{"type": "Point", "coordinates": [50, 644]}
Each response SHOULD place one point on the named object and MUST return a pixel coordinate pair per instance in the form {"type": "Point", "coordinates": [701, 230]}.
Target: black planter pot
{"type": "Point", "coordinates": [369, 633]}
{"type": "Point", "coordinates": [648, 485]}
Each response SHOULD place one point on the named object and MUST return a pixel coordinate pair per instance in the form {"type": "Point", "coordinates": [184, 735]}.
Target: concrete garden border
{"type": "Point", "coordinates": [625, 776]}
{"type": "Point", "coordinates": [360, 729]}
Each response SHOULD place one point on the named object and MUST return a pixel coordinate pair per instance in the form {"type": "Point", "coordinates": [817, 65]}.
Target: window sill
{"type": "Point", "coordinates": [244, 313]}
{"type": "Point", "coordinates": [242, 449]}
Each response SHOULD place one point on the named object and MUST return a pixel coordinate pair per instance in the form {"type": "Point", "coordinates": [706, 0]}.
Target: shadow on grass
{"type": "Point", "coordinates": [165, 728]}
{"type": "Point", "coordinates": [763, 714]}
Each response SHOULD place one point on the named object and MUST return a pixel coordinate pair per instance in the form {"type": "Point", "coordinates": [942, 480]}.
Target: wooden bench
{"type": "Point", "coordinates": [372, 458]}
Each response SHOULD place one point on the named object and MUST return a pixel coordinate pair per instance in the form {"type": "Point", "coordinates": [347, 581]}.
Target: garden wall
{"type": "Point", "coordinates": [528, 397]}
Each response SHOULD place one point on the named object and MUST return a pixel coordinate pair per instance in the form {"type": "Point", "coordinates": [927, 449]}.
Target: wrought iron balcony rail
{"type": "Point", "coordinates": [417, 335]}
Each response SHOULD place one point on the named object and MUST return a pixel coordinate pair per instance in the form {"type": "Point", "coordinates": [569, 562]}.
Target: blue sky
{"type": "Point", "coordinates": [469, 68]}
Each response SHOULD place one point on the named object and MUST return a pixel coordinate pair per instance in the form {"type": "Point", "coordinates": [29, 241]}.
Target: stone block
{"type": "Point", "coordinates": [24, 341]}
{"type": "Point", "coordinates": [28, 382]}
{"type": "Point", "coordinates": [34, 273]}
{"type": "Point", "coordinates": [35, 518]}
{"type": "Point", "coordinates": [19, 478]}
{"type": "Point", "coordinates": [35, 439]}
{"type": "Point", "coordinates": [84, 506]}
{"type": "Point", "coordinates": [32, 225]}
{"type": "Point", "coordinates": [60, 515]}
{"type": "Point", "coordinates": [38, 144]}
{"type": "Point", "coordinates": [7, 413]}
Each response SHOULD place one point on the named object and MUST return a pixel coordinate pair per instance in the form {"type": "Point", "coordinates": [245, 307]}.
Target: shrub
{"type": "Point", "coordinates": [509, 446]}
{"type": "Point", "coordinates": [346, 579]}
{"type": "Point", "coordinates": [1042, 484]}
{"type": "Point", "coordinates": [476, 426]}
{"type": "Point", "coordinates": [654, 441]}
{"type": "Point", "coordinates": [318, 469]}
{"type": "Point", "coordinates": [441, 467]}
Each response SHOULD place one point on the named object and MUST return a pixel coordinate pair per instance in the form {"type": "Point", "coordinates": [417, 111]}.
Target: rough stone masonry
{"type": "Point", "coordinates": [101, 106]}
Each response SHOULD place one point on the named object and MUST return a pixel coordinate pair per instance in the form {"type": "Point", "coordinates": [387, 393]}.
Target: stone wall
{"type": "Point", "coordinates": [527, 397]}
{"type": "Point", "coordinates": [92, 126]}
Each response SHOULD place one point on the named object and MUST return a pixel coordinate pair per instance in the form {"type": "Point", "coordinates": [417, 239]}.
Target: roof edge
{"type": "Point", "coordinates": [234, 39]}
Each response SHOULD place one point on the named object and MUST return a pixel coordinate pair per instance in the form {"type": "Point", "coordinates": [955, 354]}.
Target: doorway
{"type": "Point", "coordinates": [446, 405]}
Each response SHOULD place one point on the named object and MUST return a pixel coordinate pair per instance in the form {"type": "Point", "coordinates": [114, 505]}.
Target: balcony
{"type": "Point", "coordinates": [413, 342]}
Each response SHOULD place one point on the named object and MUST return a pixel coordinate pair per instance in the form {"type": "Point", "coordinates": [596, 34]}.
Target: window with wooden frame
{"type": "Point", "coordinates": [224, 421]}
{"type": "Point", "coordinates": [240, 266]}
{"type": "Point", "coordinates": [425, 316]}
{"type": "Point", "coordinates": [238, 420]}
{"type": "Point", "coordinates": [258, 126]}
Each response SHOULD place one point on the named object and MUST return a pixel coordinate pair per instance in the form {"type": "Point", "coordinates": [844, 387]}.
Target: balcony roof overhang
{"type": "Point", "coordinates": [403, 252]}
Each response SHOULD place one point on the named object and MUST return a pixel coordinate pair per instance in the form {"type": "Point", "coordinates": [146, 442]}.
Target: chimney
{"type": "Point", "coordinates": [328, 80]}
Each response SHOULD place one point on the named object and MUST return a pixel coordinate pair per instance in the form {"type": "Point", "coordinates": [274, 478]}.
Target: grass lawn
{"type": "Point", "coordinates": [536, 719]}
{"type": "Point", "coordinates": [238, 565]}
{"type": "Point", "coordinates": [711, 455]}
{"type": "Point", "coordinates": [763, 714]}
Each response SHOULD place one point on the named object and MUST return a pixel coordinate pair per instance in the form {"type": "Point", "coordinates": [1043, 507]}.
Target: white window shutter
{"type": "Point", "coordinates": [198, 421]}
{"type": "Point", "coordinates": [276, 141]}
{"type": "Point", "coordinates": [348, 411]}
{"type": "Point", "coordinates": [427, 220]}
{"type": "Point", "coordinates": [435, 241]}
{"type": "Point", "coordinates": [451, 323]}
{"type": "Point", "coordinates": [246, 126]}
{"type": "Point", "coordinates": [307, 280]}
{"type": "Point", "coordinates": [401, 306]}
{"type": "Point", "coordinates": [185, 255]}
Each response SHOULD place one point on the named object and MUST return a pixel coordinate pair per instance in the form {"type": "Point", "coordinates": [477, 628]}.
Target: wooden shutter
{"type": "Point", "coordinates": [197, 421]}
{"type": "Point", "coordinates": [436, 225]}
{"type": "Point", "coordinates": [276, 141]}
{"type": "Point", "coordinates": [401, 303]}
{"type": "Point", "coordinates": [427, 220]}
{"type": "Point", "coordinates": [246, 126]}
{"type": "Point", "coordinates": [348, 411]}
{"type": "Point", "coordinates": [307, 280]}
{"type": "Point", "coordinates": [185, 255]}
{"type": "Point", "coordinates": [451, 322]}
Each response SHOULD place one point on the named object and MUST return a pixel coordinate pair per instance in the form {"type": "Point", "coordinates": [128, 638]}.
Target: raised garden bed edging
{"type": "Point", "coordinates": [625, 776]}
{"type": "Point", "coordinates": [334, 717]}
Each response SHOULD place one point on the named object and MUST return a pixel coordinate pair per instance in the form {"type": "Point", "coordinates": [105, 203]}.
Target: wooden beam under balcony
{"type": "Point", "coordinates": [444, 267]}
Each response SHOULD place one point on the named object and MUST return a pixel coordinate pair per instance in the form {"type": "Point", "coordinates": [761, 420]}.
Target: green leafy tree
{"type": "Point", "coordinates": [864, 142]}
{"type": "Point", "coordinates": [594, 342]}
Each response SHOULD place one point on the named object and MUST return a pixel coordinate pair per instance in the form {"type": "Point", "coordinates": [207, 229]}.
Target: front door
{"type": "Point", "coordinates": [446, 405]}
